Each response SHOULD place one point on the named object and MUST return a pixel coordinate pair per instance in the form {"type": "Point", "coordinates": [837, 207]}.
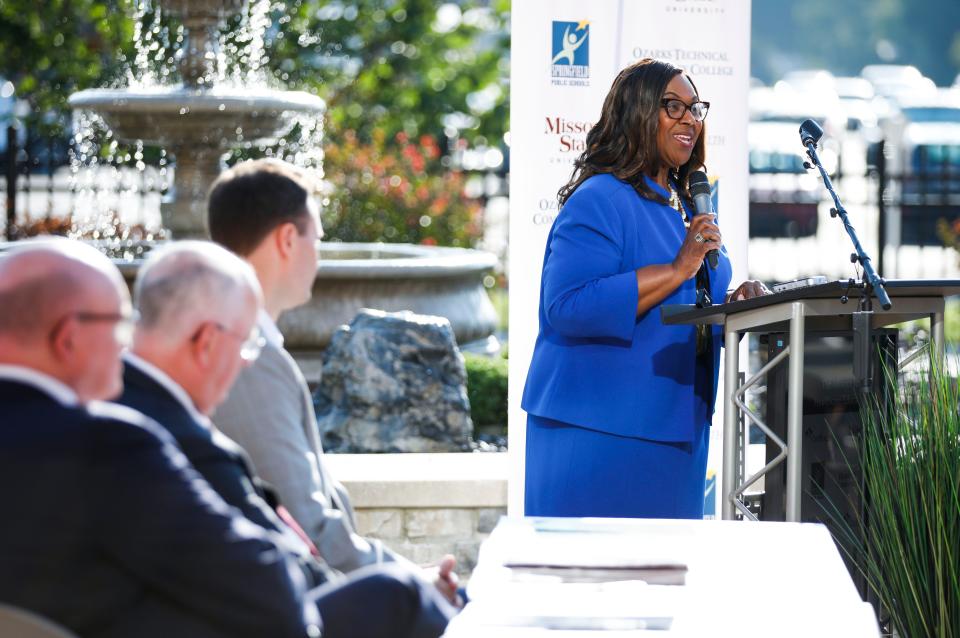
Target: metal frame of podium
{"type": "Point", "coordinates": [796, 311]}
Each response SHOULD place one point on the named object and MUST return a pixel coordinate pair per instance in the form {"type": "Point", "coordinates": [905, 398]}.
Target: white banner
{"type": "Point", "coordinates": [564, 56]}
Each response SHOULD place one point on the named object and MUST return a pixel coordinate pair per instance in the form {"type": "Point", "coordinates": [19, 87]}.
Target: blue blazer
{"type": "Point", "coordinates": [595, 363]}
{"type": "Point", "coordinates": [108, 531]}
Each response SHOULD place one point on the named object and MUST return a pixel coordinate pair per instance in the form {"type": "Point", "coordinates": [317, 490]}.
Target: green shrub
{"type": "Point", "coordinates": [500, 298]}
{"type": "Point", "coordinates": [487, 389]}
{"type": "Point", "coordinates": [396, 191]}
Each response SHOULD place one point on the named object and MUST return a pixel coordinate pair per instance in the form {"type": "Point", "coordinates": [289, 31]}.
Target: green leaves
{"type": "Point", "coordinates": [50, 49]}
{"type": "Point", "coordinates": [396, 190]}
{"type": "Point", "coordinates": [381, 55]}
{"type": "Point", "coordinates": [845, 36]}
{"type": "Point", "coordinates": [487, 389]}
{"type": "Point", "coordinates": [400, 78]}
{"type": "Point", "coordinates": [389, 57]}
{"type": "Point", "coordinates": [910, 553]}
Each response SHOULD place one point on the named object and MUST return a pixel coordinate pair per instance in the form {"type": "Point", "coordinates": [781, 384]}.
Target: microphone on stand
{"type": "Point", "coordinates": [703, 202]}
{"type": "Point", "coordinates": [810, 132]}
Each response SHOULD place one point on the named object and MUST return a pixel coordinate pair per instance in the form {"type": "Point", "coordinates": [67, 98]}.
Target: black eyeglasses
{"type": "Point", "coordinates": [676, 108]}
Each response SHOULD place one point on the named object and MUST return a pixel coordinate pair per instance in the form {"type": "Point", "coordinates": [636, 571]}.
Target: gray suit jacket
{"type": "Point", "coordinates": [269, 412]}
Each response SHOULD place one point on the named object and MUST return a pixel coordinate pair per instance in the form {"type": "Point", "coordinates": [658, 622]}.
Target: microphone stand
{"type": "Point", "coordinates": [872, 284]}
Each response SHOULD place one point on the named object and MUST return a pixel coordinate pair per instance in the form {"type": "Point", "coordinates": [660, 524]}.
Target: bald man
{"type": "Point", "coordinates": [66, 315]}
{"type": "Point", "coordinates": [198, 305]}
{"type": "Point", "coordinates": [107, 529]}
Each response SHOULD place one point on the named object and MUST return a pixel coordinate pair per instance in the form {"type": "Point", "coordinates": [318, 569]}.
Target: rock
{"type": "Point", "coordinates": [394, 382]}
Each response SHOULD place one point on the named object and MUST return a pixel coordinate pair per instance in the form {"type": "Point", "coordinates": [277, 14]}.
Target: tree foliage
{"type": "Point", "coordinates": [415, 66]}
{"type": "Point", "coordinates": [51, 48]}
{"type": "Point", "coordinates": [380, 64]}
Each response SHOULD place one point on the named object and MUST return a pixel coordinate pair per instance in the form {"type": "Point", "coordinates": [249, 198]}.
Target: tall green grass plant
{"type": "Point", "coordinates": [908, 541]}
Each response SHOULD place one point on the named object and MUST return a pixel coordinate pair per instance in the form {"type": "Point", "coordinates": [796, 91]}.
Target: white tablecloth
{"type": "Point", "coordinates": [743, 579]}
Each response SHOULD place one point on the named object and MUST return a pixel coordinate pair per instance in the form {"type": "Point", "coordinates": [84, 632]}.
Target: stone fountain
{"type": "Point", "coordinates": [199, 121]}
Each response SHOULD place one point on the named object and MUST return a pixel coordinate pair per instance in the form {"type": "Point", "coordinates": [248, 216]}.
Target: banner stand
{"type": "Point", "coordinates": [563, 59]}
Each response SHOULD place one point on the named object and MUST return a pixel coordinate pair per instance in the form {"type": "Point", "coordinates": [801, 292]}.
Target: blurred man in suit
{"type": "Point", "coordinates": [264, 211]}
{"type": "Point", "coordinates": [108, 530]}
{"type": "Point", "coordinates": [198, 305]}
{"type": "Point", "coordinates": [196, 302]}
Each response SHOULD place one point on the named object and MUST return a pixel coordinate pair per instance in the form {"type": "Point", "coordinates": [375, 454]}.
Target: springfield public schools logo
{"type": "Point", "coordinates": [571, 50]}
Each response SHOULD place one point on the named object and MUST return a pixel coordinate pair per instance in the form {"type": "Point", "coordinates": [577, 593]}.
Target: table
{"type": "Point", "coordinates": [741, 579]}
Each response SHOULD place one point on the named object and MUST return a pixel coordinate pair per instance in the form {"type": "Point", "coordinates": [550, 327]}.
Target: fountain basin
{"type": "Point", "coordinates": [178, 116]}
{"type": "Point", "coordinates": [429, 280]}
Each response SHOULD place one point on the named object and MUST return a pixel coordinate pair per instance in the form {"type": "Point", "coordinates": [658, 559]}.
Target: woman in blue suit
{"type": "Point", "coordinates": [619, 405]}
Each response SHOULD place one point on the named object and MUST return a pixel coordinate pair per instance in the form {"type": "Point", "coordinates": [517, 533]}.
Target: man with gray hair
{"type": "Point", "coordinates": [109, 531]}
{"type": "Point", "coordinates": [198, 306]}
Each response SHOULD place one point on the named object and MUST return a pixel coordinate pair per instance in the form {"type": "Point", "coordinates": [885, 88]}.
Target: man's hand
{"type": "Point", "coordinates": [445, 579]}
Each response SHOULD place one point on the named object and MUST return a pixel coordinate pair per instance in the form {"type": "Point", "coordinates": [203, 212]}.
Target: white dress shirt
{"type": "Point", "coordinates": [269, 329]}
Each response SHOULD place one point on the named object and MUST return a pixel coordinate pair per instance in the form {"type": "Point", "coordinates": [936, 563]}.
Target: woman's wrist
{"type": "Point", "coordinates": [655, 283]}
{"type": "Point", "coordinates": [679, 273]}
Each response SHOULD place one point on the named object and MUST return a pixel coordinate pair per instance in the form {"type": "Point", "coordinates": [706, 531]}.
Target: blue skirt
{"type": "Point", "coordinates": [576, 471]}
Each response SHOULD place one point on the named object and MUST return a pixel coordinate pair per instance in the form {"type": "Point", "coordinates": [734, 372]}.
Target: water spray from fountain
{"type": "Point", "coordinates": [215, 108]}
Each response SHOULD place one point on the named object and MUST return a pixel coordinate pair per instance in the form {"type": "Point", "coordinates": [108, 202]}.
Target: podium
{"type": "Point", "coordinates": [796, 312]}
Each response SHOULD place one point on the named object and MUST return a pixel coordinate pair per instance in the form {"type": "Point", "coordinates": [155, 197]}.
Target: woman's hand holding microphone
{"type": "Point", "coordinates": [703, 235]}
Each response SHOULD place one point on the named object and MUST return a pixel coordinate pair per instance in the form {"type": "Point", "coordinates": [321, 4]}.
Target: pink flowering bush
{"type": "Point", "coordinates": [399, 193]}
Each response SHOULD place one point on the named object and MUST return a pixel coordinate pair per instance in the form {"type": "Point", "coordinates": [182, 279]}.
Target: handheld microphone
{"type": "Point", "coordinates": [703, 202]}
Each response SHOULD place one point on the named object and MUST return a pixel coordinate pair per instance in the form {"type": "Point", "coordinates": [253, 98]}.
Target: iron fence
{"type": "Point", "coordinates": [43, 192]}
{"type": "Point", "coordinates": [910, 211]}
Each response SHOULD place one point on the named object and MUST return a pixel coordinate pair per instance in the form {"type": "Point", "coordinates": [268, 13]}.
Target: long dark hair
{"type": "Point", "coordinates": [624, 141]}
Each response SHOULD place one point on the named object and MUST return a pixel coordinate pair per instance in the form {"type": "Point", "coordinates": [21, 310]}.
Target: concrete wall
{"type": "Point", "coordinates": [426, 505]}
